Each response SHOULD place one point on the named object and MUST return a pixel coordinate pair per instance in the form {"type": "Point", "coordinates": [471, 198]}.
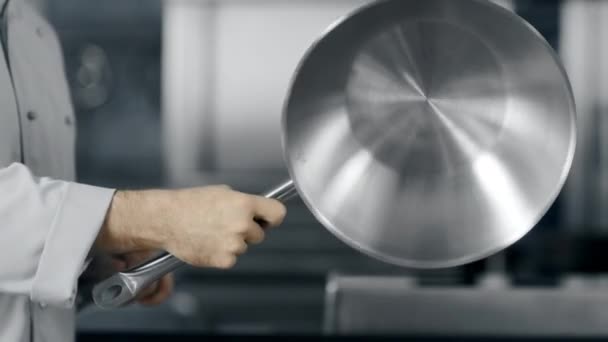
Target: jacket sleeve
{"type": "Point", "coordinates": [47, 228]}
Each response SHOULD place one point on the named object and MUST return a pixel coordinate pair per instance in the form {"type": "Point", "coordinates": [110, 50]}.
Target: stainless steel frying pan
{"type": "Point", "coordinates": [426, 134]}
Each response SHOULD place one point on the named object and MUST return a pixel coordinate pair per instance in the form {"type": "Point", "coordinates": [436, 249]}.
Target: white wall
{"type": "Point", "coordinates": [227, 68]}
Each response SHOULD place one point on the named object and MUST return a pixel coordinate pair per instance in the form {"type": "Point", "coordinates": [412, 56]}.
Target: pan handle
{"type": "Point", "coordinates": [121, 288]}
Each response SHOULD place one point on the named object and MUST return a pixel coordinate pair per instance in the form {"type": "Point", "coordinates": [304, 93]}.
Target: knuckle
{"type": "Point", "coordinates": [194, 260]}
{"type": "Point", "coordinates": [237, 247]}
{"type": "Point", "coordinates": [242, 226]}
{"type": "Point", "coordinates": [258, 236]}
{"type": "Point", "coordinates": [201, 261]}
{"type": "Point", "coordinates": [226, 262]}
{"type": "Point", "coordinates": [242, 249]}
{"type": "Point", "coordinates": [281, 213]}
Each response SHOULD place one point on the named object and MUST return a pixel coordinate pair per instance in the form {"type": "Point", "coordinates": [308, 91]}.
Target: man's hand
{"type": "Point", "coordinates": [205, 227]}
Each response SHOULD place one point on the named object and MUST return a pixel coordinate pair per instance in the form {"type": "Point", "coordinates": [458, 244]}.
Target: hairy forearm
{"type": "Point", "coordinates": [134, 222]}
{"type": "Point", "coordinates": [208, 226]}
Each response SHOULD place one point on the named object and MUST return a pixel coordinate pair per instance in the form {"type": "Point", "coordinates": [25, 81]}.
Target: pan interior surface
{"type": "Point", "coordinates": [430, 133]}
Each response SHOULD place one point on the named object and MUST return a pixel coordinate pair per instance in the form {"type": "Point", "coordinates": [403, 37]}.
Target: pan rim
{"type": "Point", "coordinates": [409, 263]}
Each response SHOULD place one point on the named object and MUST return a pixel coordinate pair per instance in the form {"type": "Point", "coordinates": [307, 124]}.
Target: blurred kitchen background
{"type": "Point", "coordinates": [189, 92]}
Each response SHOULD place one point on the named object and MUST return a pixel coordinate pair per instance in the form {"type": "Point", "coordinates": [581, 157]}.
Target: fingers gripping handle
{"type": "Point", "coordinates": [122, 288]}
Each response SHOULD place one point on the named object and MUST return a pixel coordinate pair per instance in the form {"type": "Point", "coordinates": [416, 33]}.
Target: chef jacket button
{"type": "Point", "coordinates": [68, 121]}
{"type": "Point", "coordinates": [31, 115]}
{"type": "Point", "coordinates": [42, 305]}
{"type": "Point", "coordinates": [39, 31]}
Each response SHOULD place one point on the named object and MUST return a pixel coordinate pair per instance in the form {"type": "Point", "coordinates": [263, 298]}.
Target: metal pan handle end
{"type": "Point", "coordinates": [122, 288]}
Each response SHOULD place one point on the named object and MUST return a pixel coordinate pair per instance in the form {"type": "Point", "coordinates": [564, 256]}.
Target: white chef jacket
{"type": "Point", "coordinates": [47, 223]}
